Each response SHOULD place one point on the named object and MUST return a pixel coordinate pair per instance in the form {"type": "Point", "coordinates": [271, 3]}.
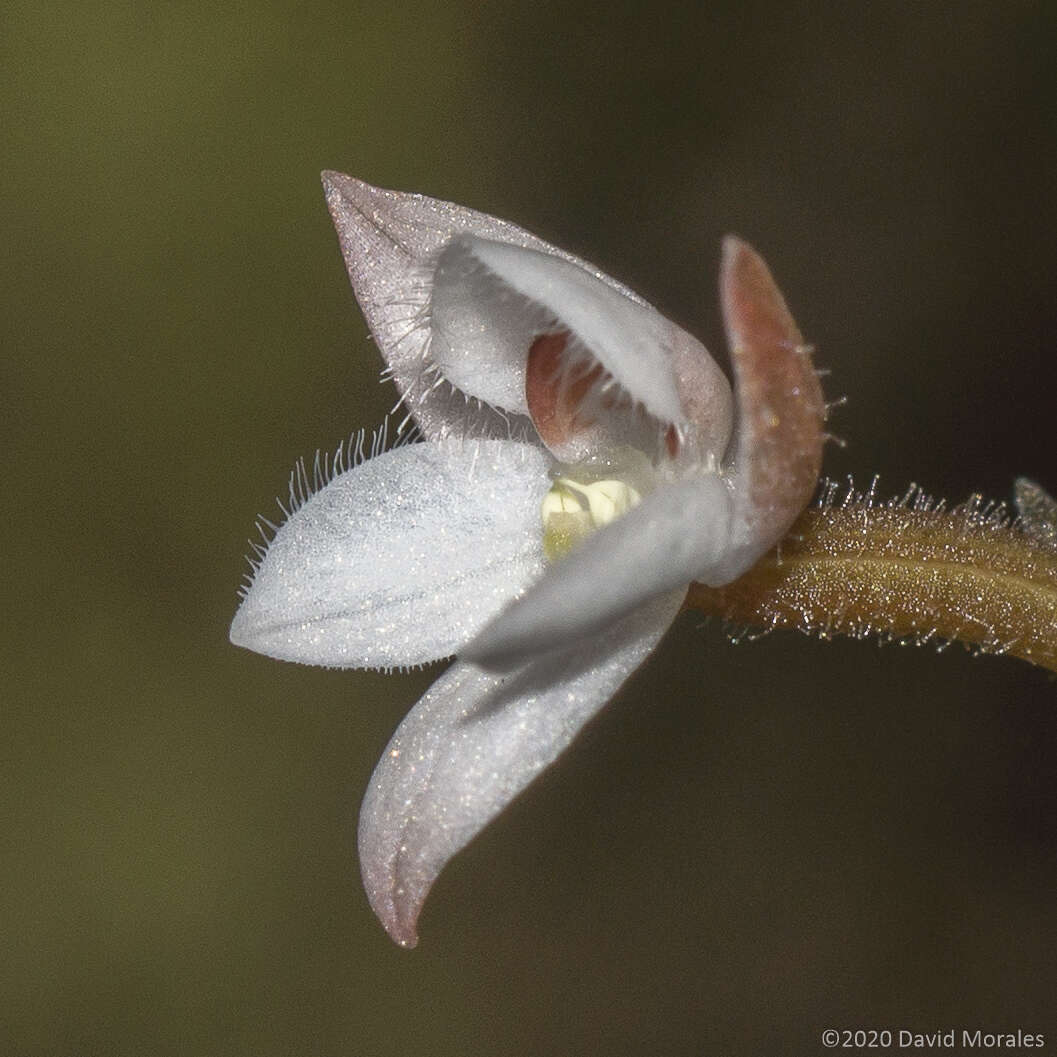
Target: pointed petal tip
{"type": "Point", "coordinates": [750, 295]}
{"type": "Point", "coordinates": [249, 632]}
{"type": "Point", "coordinates": [402, 933]}
{"type": "Point", "coordinates": [733, 245]}
{"type": "Point", "coordinates": [237, 631]}
{"type": "Point", "coordinates": [332, 179]}
{"type": "Point", "coordinates": [244, 631]}
{"type": "Point", "coordinates": [742, 266]}
{"type": "Point", "coordinates": [342, 190]}
{"type": "Point", "coordinates": [396, 899]}
{"type": "Point", "coordinates": [400, 923]}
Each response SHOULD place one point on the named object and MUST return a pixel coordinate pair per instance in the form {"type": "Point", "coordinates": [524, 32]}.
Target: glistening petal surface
{"type": "Point", "coordinates": [662, 544]}
{"type": "Point", "coordinates": [402, 559]}
{"type": "Point", "coordinates": [470, 745]}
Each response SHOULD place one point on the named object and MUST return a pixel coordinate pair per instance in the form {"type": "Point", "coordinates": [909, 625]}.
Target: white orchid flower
{"type": "Point", "coordinates": [581, 462]}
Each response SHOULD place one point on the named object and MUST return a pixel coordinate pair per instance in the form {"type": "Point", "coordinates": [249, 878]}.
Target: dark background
{"type": "Point", "coordinates": [752, 843]}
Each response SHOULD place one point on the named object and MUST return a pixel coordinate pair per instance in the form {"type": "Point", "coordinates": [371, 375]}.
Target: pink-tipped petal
{"type": "Point", "coordinates": [777, 447]}
{"type": "Point", "coordinates": [470, 745]}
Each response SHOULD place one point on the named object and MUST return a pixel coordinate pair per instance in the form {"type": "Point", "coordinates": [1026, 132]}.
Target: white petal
{"type": "Point", "coordinates": [390, 241]}
{"type": "Point", "coordinates": [631, 340]}
{"type": "Point", "coordinates": [675, 534]}
{"type": "Point", "coordinates": [402, 559]}
{"type": "Point", "coordinates": [480, 333]}
{"type": "Point", "coordinates": [469, 746]}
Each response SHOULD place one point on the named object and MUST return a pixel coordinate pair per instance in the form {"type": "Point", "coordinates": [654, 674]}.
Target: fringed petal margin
{"type": "Point", "coordinates": [401, 560]}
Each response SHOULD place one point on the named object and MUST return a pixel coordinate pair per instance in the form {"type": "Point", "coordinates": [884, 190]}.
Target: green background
{"type": "Point", "coordinates": [751, 844]}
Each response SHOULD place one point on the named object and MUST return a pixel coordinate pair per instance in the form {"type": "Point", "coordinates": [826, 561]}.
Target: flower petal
{"type": "Point", "coordinates": [778, 438]}
{"type": "Point", "coordinates": [631, 340]}
{"type": "Point", "coordinates": [664, 543]}
{"type": "Point", "coordinates": [479, 334]}
{"type": "Point", "coordinates": [494, 303]}
{"type": "Point", "coordinates": [392, 245]}
{"type": "Point", "coordinates": [402, 559]}
{"type": "Point", "coordinates": [470, 745]}
{"type": "Point", "coordinates": [388, 240]}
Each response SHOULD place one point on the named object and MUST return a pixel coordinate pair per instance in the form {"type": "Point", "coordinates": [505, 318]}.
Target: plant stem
{"type": "Point", "coordinates": [908, 570]}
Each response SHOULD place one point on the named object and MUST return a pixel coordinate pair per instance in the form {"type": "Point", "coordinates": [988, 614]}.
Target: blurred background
{"type": "Point", "coordinates": [753, 843]}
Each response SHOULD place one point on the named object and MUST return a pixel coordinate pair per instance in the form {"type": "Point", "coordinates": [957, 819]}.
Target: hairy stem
{"type": "Point", "coordinates": [909, 569]}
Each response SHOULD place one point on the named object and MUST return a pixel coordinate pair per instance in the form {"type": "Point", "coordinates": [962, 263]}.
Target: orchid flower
{"type": "Point", "coordinates": [579, 461]}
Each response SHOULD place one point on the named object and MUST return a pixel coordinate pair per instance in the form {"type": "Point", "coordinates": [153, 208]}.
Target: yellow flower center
{"type": "Point", "coordinates": [572, 510]}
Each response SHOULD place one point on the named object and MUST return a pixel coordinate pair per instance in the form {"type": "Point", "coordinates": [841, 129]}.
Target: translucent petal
{"type": "Point", "coordinates": [390, 241]}
{"type": "Point", "coordinates": [675, 534]}
{"type": "Point", "coordinates": [402, 559]}
{"type": "Point", "coordinates": [470, 745]}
